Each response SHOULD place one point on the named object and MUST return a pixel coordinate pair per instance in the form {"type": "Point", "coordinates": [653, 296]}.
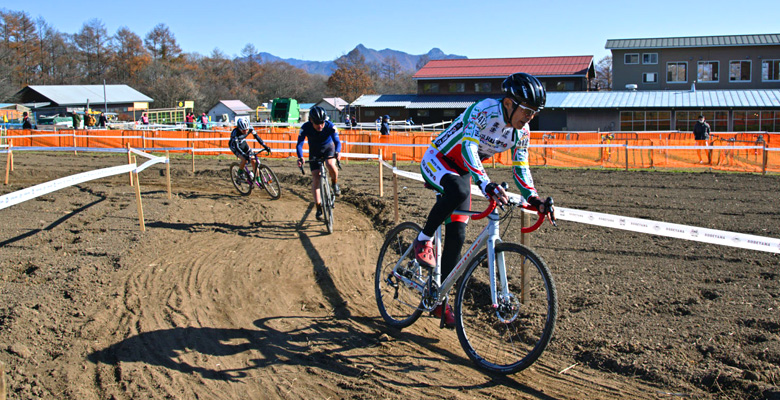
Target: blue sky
{"type": "Point", "coordinates": [325, 30]}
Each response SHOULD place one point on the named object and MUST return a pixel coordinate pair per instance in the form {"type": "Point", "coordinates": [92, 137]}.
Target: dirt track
{"type": "Point", "coordinates": [229, 297]}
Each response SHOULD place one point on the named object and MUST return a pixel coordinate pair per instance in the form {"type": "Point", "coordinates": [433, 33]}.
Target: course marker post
{"type": "Point", "coordinates": [130, 161]}
{"type": "Point", "coordinates": [395, 187]}
{"type": "Point", "coordinates": [8, 164]}
{"type": "Point", "coordinates": [381, 178]}
{"type": "Point", "coordinates": [763, 168]}
{"type": "Point", "coordinates": [193, 160]}
{"type": "Point", "coordinates": [138, 200]}
{"type": "Point", "coordinates": [168, 172]}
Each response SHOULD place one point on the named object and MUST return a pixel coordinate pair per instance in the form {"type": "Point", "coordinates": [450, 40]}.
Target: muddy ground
{"type": "Point", "coordinates": [230, 297]}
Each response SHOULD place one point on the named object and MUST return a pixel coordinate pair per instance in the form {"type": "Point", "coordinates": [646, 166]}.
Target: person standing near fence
{"type": "Point", "coordinates": [701, 133]}
{"type": "Point", "coordinates": [76, 120]}
{"type": "Point", "coordinates": [26, 124]}
{"type": "Point", "coordinates": [144, 119]}
{"type": "Point", "coordinates": [204, 121]}
{"type": "Point", "coordinates": [102, 120]}
{"type": "Point", "coordinates": [384, 129]}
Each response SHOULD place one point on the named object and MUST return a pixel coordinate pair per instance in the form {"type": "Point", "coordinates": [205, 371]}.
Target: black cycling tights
{"type": "Point", "coordinates": [456, 196]}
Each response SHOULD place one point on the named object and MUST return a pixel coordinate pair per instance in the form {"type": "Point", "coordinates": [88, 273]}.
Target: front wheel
{"type": "Point", "coordinates": [240, 182]}
{"type": "Point", "coordinates": [326, 197]}
{"type": "Point", "coordinates": [399, 278]}
{"type": "Point", "coordinates": [269, 181]}
{"type": "Point", "coordinates": [510, 337]}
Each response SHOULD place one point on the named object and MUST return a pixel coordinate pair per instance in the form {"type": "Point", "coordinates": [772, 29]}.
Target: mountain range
{"type": "Point", "coordinates": [408, 62]}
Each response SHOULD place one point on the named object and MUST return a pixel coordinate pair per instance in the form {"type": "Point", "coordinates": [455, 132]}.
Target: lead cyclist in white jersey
{"type": "Point", "coordinates": [487, 127]}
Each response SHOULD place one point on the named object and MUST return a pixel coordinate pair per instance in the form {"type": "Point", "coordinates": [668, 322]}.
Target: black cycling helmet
{"type": "Point", "coordinates": [525, 88]}
{"type": "Point", "coordinates": [317, 115]}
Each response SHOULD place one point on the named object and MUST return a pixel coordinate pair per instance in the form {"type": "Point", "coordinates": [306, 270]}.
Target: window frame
{"type": "Point", "coordinates": [456, 87]}
{"type": "Point", "coordinates": [650, 54]}
{"type": "Point", "coordinates": [431, 87]}
{"type": "Point", "coordinates": [704, 62]}
{"type": "Point", "coordinates": [750, 71]}
{"type": "Point", "coordinates": [677, 63]}
{"type": "Point", "coordinates": [777, 70]}
{"type": "Point", "coordinates": [631, 54]}
{"type": "Point", "coordinates": [644, 76]}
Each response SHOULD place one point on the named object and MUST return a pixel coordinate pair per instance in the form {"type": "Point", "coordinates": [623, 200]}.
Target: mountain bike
{"type": "Point", "coordinates": [327, 197]}
{"type": "Point", "coordinates": [506, 303]}
{"type": "Point", "coordinates": [264, 178]}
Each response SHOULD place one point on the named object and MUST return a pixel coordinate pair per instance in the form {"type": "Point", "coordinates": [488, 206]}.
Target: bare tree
{"type": "Point", "coordinates": [92, 41]}
{"type": "Point", "coordinates": [604, 74]}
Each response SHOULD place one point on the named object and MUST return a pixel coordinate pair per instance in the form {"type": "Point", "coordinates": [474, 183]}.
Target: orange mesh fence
{"type": "Point", "coordinates": [733, 151]}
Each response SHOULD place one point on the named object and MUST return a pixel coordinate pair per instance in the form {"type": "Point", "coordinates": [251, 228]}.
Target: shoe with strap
{"type": "Point", "coordinates": [319, 213]}
{"type": "Point", "coordinates": [336, 189]}
{"type": "Point", "coordinates": [449, 317]}
{"type": "Point", "coordinates": [423, 252]}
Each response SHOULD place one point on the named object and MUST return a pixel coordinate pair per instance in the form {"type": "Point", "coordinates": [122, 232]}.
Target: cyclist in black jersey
{"type": "Point", "coordinates": [240, 147]}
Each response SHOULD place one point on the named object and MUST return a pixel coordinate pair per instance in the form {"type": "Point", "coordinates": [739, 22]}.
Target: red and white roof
{"type": "Point", "coordinates": [501, 67]}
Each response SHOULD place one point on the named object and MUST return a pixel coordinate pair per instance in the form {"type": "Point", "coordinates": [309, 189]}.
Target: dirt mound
{"type": "Point", "coordinates": [231, 297]}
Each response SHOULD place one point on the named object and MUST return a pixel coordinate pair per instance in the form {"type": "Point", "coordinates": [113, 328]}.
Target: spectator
{"type": "Point", "coordinates": [26, 124]}
{"type": "Point", "coordinates": [89, 120]}
{"type": "Point", "coordinates": [144, 119]}
{"type": "Point", "coordinates": [346, 121]}
{"type": "Point", "coordinates": [378, 123]}
{"type": "Point", "coordinates": [701, 133]}
{"type": "Point", "coordinates": [204, 121]}
{"type": "Point", "coordinates": [76, 120]}
{"type": "Point", "coordinates": [353, 121]}
{"type": "Point", "coordinates": [102, 120]}
{"type": "Point", "coordinates": [409, 121]}
{"type": "Point", "coordinates": [190, 120]}
{"type": "Point", "coordinates": [385, 128]}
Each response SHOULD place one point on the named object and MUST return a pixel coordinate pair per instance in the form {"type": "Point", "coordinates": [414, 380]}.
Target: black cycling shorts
{"type": "Point", "coordinates": [241, 149]}
{"type": "Point", "coordinates": [329, 150]}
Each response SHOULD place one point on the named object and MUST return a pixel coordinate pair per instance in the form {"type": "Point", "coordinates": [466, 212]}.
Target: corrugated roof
{"type": "Point", "coordinates": [237, 106]}
{"type": "Point", "coordinates": [65, 95]}
{"type": "Point", "coordinates": [502, 67]}
{"type": "Point", "coordinates": [336, 102]}
{"type": "Point", "coordinates": [767, 98]}
{"type": "Point", "coordinates": [771, 39]}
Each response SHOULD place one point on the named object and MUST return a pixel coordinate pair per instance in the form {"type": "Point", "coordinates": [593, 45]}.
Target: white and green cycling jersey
{"type": "Point", "coordinates": [478, 134]}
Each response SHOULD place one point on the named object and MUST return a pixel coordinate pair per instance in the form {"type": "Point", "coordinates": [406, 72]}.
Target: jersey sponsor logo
{"type": "Point", "coordinates": [481, 120]}
{"type": "Point", "coordinates": [445, 136]}
{"type": "Point", "coordinates": [494, 128]}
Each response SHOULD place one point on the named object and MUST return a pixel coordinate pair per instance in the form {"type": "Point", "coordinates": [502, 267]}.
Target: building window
{"type": "Point", "coordinates": [394, 113]}
{"type": "Point", "coordinates": [430, 88]}
{"type": "Point", "coordinates": [677, 72]}
{"type": "Point", "coordinates": [718, 120]}
{"type": "Point", "coordinates": [650, 58]}
{"type": "Point", "coordinates": [631, 58]}
{"type": "Point", "coordinates": [450, 113]}
{"type": "Point", "coordinates": [649, 77]}
{"type": "Point", "coordinates": [457, 88]}
{"type": "Point", "coordinates": [645, 120]}
{"type": "Point", "coordinates": [754, 121]}
{"type": "Point", "coordinates": [739, 71]}
{"type": "Point", "coordinates": [707, 71]}
{"type": "Point", "coordinates": [562, 86]}
{"type": "Point", "coordinates": [484, 87]}
{"type": "Point", "coordinates": [770, 70]}
{"type": "Point", "coordinates": [369, 113]}
{"type": "Point", "coordinates": [423, 113]}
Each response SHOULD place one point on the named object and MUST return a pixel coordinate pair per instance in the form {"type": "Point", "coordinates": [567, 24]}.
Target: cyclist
{"type": "Point", "coordinates": [487, 127]}
{"type": "Point", "coordinates": [323, 139]}
{"type": "Point", "coordinates": [240, 147]}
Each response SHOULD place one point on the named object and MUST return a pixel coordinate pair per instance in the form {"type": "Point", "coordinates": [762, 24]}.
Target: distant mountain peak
{"type": "Point", "coordinates": [408, 62]}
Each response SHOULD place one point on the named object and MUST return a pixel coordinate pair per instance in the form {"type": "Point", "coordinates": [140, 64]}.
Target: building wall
{"type": "Point", "coordinates": [623, 74]}
{"type": "Point", "coordinates": [491, 87]}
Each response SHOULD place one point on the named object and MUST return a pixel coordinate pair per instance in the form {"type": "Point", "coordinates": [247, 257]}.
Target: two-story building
{"type": "Point", "coordinates": [711, 62]}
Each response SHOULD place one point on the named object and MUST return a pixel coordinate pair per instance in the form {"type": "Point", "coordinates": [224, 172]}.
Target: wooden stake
{"type": "Point", "coordinates": [168, 172]}
{"type": "Point", "coordinates": [193, 160]}
{"type": "Point", "coordinates": [130, 161]}
{"type": "Point", "coordinates": [75, 153]}
{"type": "Point", "coordinates": [8, 157]}
{"type": "Point", "coordinates": [11, 153]}
{"type": "Point", "coordinates": [395, 187]}
{"type": "Point", "coordinates": [3, 387]}
{"type": "Point", "coordinates": [138, 201]}
{"type": "Point", "coordinates": [381, 178]}
{"type": "Point", "coordinates": [764, 167]}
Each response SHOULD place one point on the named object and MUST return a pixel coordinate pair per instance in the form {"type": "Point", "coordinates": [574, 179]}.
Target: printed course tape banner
{"type": "Point", "coordinates": [32, 192]}
{"type": "Point", "coordinates": [714, 236]}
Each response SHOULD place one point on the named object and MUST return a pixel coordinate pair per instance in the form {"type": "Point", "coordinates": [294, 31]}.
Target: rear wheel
{"type": "Point", "coordinates": [511, 337]}
{"type": "Point", "coordinates": [269, 181]}
{"type": "Point", "coordinates": [399, 277]}
{"type": "Point", "coordinates": [240, 182]}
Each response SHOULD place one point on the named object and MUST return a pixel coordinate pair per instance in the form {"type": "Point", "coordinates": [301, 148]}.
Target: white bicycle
{"type": "Point", "coordinates": [506, 302]}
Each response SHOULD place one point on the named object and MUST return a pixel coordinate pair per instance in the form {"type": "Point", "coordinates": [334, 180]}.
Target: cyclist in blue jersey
{"type": "Point", "coordinates": [455, 156]}
{"type": "Point", "coordinates": [240, 147]}
{"type": "Point", "coordinates": [323, 139]}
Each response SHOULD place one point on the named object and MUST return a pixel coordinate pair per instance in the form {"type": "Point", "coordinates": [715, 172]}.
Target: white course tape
{"type": "Point", "coordinates": [32, 192]}
{"type": "Point", "coordinates": [725, 238]}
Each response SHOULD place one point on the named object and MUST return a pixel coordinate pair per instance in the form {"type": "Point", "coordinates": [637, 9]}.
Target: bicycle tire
{"type": "Point", "coordinates": [514, 344]}
{"type": "Point", "coordinates": [399, 304]}
{"type": "Point", "coordinates": [327, 202]}
{"type": "Point", "coordinates": [243, 186]}
{"type": "Point", "coordinates": [269, 181]}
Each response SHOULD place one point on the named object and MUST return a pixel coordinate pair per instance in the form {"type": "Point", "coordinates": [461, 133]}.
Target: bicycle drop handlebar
{"type": "Point", "coordinates": [320, 160]}
{"type": "Point", "coordinates": [542, 216]}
